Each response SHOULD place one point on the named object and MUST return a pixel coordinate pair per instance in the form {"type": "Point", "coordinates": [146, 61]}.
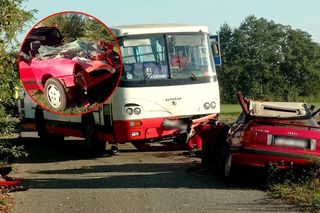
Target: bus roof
{"type": "Point", "coordinates": [156, 28]}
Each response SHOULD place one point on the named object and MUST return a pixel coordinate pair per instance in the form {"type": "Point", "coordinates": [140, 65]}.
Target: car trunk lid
{"type": "Point", "coordinates": [285, 135]}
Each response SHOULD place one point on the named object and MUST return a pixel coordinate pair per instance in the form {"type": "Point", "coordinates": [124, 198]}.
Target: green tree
{"type": "Point", "coordinates": [71, 25]}
{"type": "Point", "coordinates": [301, 65]}
{"type": "Point", "coordinates": [266, 60]}
{"type": "Point", "coordinates": [96, 30]}
{"type": "Point", "coordinates": [76, 25]}
{"type": "Point", "coordinates": [12, 20]}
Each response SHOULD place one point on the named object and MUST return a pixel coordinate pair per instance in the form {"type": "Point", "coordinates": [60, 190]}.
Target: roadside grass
{"type": "Point", "coordinates": [298, 187]}
{"type": "Point", "coordinates": [303, 194]}
{"type": "Point", "coordinates": [230, 109]}
{"type": "Point", "coordinates": [230, 112]}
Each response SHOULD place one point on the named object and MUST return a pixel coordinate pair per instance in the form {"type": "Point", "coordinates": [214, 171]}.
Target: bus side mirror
{"type": "Point", "coordinates": [215, 47]}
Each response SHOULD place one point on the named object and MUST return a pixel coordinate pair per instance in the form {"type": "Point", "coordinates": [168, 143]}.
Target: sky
{"type": "Point", "coordinates": [299, 14]}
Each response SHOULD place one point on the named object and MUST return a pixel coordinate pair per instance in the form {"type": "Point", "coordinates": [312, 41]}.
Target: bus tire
{"type": "Point", "coordinates": [40, 123]}
{"type": "Point", "coordinates": [90, 134]}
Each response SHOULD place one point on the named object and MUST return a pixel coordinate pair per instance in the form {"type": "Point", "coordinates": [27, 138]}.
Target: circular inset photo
{"type": "Point", "coordinates": [70, 63]}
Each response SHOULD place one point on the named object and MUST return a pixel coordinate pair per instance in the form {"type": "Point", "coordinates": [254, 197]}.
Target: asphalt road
{"type": "Point", "coordinates": [63, 178]}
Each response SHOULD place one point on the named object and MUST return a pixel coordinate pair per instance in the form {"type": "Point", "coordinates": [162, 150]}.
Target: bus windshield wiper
{"type": "Point", "coordinates": [147, 78]}
{"type": "Point", "coordinates": [190, 73]}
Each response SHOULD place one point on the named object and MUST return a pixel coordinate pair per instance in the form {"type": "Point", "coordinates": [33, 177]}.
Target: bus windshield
{"type": "Point", "coordinates": [168, 56]}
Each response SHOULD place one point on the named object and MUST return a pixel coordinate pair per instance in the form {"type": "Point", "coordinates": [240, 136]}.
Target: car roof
{"type": "Point", "coordinates": [38, 30]}
{"type": "Point", "coordinates": [278, 109]}
{"type": "Point", "coordinates": [140, 29]}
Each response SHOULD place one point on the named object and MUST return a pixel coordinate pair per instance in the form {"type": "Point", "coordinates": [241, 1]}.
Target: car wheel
{"type": "Point", "coordinates": [207, 158]}
{"type": "Point", "coordinates": [228, 167]}
{"type": "Point", "coordinates": [55, 94]}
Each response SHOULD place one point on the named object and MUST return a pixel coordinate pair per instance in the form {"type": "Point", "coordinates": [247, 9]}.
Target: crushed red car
{"type": "Point", "coordinates": [63, 71]}
{"type": "Point", "coordinates": [284, 134]}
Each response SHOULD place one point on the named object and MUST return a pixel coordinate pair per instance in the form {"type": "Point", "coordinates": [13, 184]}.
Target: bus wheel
{"type": "Point", "coordinates": [40, 123]}
{"type": "Point", "coordinates": [42, 128]}
{"type": "Point", "coordinates": [90, 134]}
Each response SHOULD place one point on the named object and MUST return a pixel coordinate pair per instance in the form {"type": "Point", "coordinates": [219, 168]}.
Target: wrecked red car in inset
{"type": "Point", "coordinates": [284, 134]}
{"type": "Point", "coordinates": [65, 72]}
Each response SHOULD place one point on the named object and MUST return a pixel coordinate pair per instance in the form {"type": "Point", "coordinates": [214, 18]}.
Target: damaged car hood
{"type": "Point", "coordinates": [86, 53]}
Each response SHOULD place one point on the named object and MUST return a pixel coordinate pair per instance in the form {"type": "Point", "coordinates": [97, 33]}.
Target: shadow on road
{"type": "Point", "coordinates": [177, 174]}
{"type": "Point", "coordinates": [45, 152]}
{"type": "Point", "coordinates": [164, 180]}
{"type": "Point", "coordinates": [141, 175]}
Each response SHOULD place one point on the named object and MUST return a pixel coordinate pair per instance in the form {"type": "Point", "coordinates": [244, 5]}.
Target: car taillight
{"type": "Point", "coordinates": [313, 144]}
{"type": "Point", "coordinates": [269, 139]}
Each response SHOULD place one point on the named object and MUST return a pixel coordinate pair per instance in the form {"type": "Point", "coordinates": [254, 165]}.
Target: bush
{"type": "Point", "coordinates": [8, 151]}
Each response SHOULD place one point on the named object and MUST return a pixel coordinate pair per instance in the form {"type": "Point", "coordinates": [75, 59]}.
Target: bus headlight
{"type": "Point", "coordinates": [137, 110]}
{"type": "Point", "coordinates": [213, 104]}
{"type": "Point", "coordinates": [129, 111]}
{"type": "Point", "coordinates": [206, 106]}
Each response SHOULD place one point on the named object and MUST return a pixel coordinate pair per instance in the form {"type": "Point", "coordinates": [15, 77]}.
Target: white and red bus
{"type": "Point", "coordinates": [168, 82]}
